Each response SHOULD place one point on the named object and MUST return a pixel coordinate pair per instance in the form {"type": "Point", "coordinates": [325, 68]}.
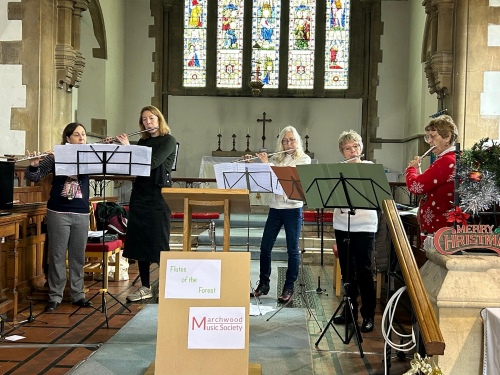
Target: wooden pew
{"type": "Point", "coordinates": [432, 338]}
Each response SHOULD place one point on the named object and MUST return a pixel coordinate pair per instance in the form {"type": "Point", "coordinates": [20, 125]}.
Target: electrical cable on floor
{"type": "Point", "coordinates": [389, 312]}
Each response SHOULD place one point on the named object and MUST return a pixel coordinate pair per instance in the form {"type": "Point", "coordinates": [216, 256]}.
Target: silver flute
{"type": "Point", "coordinates": [242, 160]}
{"type": "Point", "coordinates": [354, 158]}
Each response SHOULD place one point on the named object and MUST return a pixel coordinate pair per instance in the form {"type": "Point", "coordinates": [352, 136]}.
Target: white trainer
{"type": "Point", "coordinates": [140, 294]}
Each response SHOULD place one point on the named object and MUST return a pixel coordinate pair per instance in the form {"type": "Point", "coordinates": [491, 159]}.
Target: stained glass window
{"type": "Point", "coordinates": [337, 44]}
{"type": "Point", "coordinates": [260, 55]}
{"type": "Point", "coordinates": [195, 43]}
{"type": "Point", "coordinates": [301, 44]}
{"type": "Point", "coordinates": [230, 43]}
{"type": "Point", "coordinates": [266, 16]}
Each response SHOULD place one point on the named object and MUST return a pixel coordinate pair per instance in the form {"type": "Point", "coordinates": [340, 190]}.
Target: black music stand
{"type": "Point", "coordinates": [103, 159]}
{"type": "Point", "coordinates": [352, 187]}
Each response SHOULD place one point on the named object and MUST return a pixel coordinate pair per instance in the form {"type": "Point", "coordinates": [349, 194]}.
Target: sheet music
{"type": "Point", "coordinates": [73, 159]}
{"type": "Point", "coordinates": [257, 178]}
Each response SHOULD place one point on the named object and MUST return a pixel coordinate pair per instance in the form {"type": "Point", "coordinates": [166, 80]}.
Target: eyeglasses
{"type": "Point", "coordinates": [288, 141]}
{"type": "Point", "coordinates": [351, 148]}
{"type": "Point", "coordinates": [429, 137]}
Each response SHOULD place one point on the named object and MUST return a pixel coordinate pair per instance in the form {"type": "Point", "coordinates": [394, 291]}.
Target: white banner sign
{"type": "Point", "coordinates": [216, 328]}
{"type": "Point", "coordinates": [193, 278]}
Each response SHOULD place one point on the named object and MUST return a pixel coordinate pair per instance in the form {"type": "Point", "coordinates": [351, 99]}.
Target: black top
{"type": "Point", "coordinates": [68, 193]}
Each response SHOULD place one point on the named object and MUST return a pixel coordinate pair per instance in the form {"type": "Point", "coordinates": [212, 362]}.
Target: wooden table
{"type": "Point", "coordinates": [9, 263]}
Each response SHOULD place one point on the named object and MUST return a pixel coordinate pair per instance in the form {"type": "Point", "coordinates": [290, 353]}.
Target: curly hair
{"type": "Point", "coordinates": [350, 136]}
{"type": "Point", "coordinates": [445, 126]}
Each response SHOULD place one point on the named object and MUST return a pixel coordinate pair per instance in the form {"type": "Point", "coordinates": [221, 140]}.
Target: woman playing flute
{"type": "Point", "coordinates": [436, 184]}
{"type": "Point", "coordinates": [67, 222]}
{"type": "Point", "coordinates": [148, 227]}
{"type": "Point", "coordinates": [282, 212]}
{"type": "Point", "coordinates": [355, 238]}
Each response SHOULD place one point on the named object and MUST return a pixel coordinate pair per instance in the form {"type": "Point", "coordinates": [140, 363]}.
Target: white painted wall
{"type": "Point", "coordinates": [404, 100]}
{"type": "Point", "coordinates": [195, 122]}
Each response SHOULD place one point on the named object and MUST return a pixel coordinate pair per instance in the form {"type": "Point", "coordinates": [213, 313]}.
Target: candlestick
{"type": "Point", "coordinates": [219, 136]}
{"type": "Point", "coordinates": [234, 142]}
{"type": "Point", "coordinates": [248, 143]}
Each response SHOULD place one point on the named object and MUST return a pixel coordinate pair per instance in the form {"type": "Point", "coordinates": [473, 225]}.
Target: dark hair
{"type": "Point", "coordinates": [68, 131]}
{"type": "Point", "coordinates": [445, 126]}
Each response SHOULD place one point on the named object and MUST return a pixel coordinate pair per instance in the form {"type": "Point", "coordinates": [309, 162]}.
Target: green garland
{"type": "Point", "coordinates": [479, 173]}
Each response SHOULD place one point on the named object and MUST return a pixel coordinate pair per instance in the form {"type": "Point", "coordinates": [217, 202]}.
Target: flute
{"type": "Point", "coordinates": [423, 156]}
{"type": "Point", "coordinates": [114, 139]}
{"type": "Point", "coordinates": [427, 152]}
{"type": "Point", "coordinates": [15, 160]}
{"type": "Point", "coordinates": [356, 157]}
{"type": "Point", "coordinates": [256, 157]}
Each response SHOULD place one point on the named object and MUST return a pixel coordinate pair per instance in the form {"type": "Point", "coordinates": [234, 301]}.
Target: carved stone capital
{"type": "Point", "coordinates": [438, 71]}
{"type": "Point", "coordinates": [65, 58]}
{"type": "Point", "coordinates": [78, 70]}
{"type": "Point", "coordinates": [80, 6]}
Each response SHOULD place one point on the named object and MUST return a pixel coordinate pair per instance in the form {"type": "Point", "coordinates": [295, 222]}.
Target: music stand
{"type": "Point", "coordinates": [102, 159]}
{"type": "Point", "coordinates": [255, 177]}
{"type": "Point", "coordinates": [348, 186]}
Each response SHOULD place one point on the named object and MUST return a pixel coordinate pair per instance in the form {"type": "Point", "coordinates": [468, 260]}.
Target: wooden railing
{"type": "Point", "coordinates": [421, 304]}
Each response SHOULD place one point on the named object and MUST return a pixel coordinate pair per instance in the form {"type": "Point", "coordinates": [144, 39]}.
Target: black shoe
{"type": "Point", "coordinates": [51, 306]}
{"type": "Point", "coordinates": [367, 325]}
{"type": "Point", "coordinates": [261, 290]}
{"type": "Point", "coordinates": [83, 303]}
{"type": "Point", "coordinates": [341, 318]}
{"type": "Point", "coordinates": [286, 296]}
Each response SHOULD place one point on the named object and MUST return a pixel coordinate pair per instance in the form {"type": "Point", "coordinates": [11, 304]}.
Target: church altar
{"type": "Point", "coordinates": [460, 287]}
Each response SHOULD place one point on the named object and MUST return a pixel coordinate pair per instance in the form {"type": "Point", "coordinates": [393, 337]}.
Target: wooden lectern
{"type": "Point", "coordinates": [190, 200]}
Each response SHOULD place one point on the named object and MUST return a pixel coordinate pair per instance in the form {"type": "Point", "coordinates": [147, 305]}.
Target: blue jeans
{"type": "Point", "coordinates": [291, 219]}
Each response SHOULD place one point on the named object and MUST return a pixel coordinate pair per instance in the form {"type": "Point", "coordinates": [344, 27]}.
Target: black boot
{"type": "Point", "coordinates": [261, 290]}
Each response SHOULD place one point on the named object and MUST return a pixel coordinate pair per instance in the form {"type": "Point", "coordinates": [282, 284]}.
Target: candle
{"type": "Point", "coordinates": [307, 131]}
{"type": "Point", "coordinates": [234, 130]}
{"type": "Point", "coordinates": [219, 129]}
{"type": "Point", "coordinates": [248, 130]}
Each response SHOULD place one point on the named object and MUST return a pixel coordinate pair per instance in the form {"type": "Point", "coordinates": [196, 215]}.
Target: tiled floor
{"type": "Point", "coordinates": [55, 342]}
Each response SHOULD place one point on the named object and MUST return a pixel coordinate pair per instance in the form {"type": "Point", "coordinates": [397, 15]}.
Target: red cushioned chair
{"type": "Point", "coordinates": [94, 251]}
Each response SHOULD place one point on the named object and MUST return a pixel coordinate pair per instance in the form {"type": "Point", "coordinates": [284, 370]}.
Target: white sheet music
{"type": "Point", "coordinates": [73, 159]}
{"type": "Point", "coordinates": [257, 178]}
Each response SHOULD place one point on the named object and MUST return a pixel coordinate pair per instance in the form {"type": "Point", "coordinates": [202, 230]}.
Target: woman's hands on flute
{"type": "Point", "coordinates": [415, 162]}
{"type": "Point", "coordinates": [122, 138]}
{"type": "Point", "coordinates": [35, 157]}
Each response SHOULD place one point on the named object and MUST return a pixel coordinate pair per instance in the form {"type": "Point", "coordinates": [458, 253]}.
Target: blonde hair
{"type": "Point", "coordinates": [299, 150]}
{"type": "Point", "coordinates": [162, 123]}
{"type": "Point", "coordinates": [350, 136]}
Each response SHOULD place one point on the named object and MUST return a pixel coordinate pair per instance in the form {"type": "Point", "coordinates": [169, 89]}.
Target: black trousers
{"type": "Point", "coordinates": [356, 267]}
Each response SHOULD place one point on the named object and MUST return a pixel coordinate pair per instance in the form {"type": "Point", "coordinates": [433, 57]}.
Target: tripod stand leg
{"type": "Point", "coordinates": [346, 304]}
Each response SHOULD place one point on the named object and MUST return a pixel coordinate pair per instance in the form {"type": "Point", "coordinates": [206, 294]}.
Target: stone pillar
{"type": "Point", "coordinates": [459, 286]}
